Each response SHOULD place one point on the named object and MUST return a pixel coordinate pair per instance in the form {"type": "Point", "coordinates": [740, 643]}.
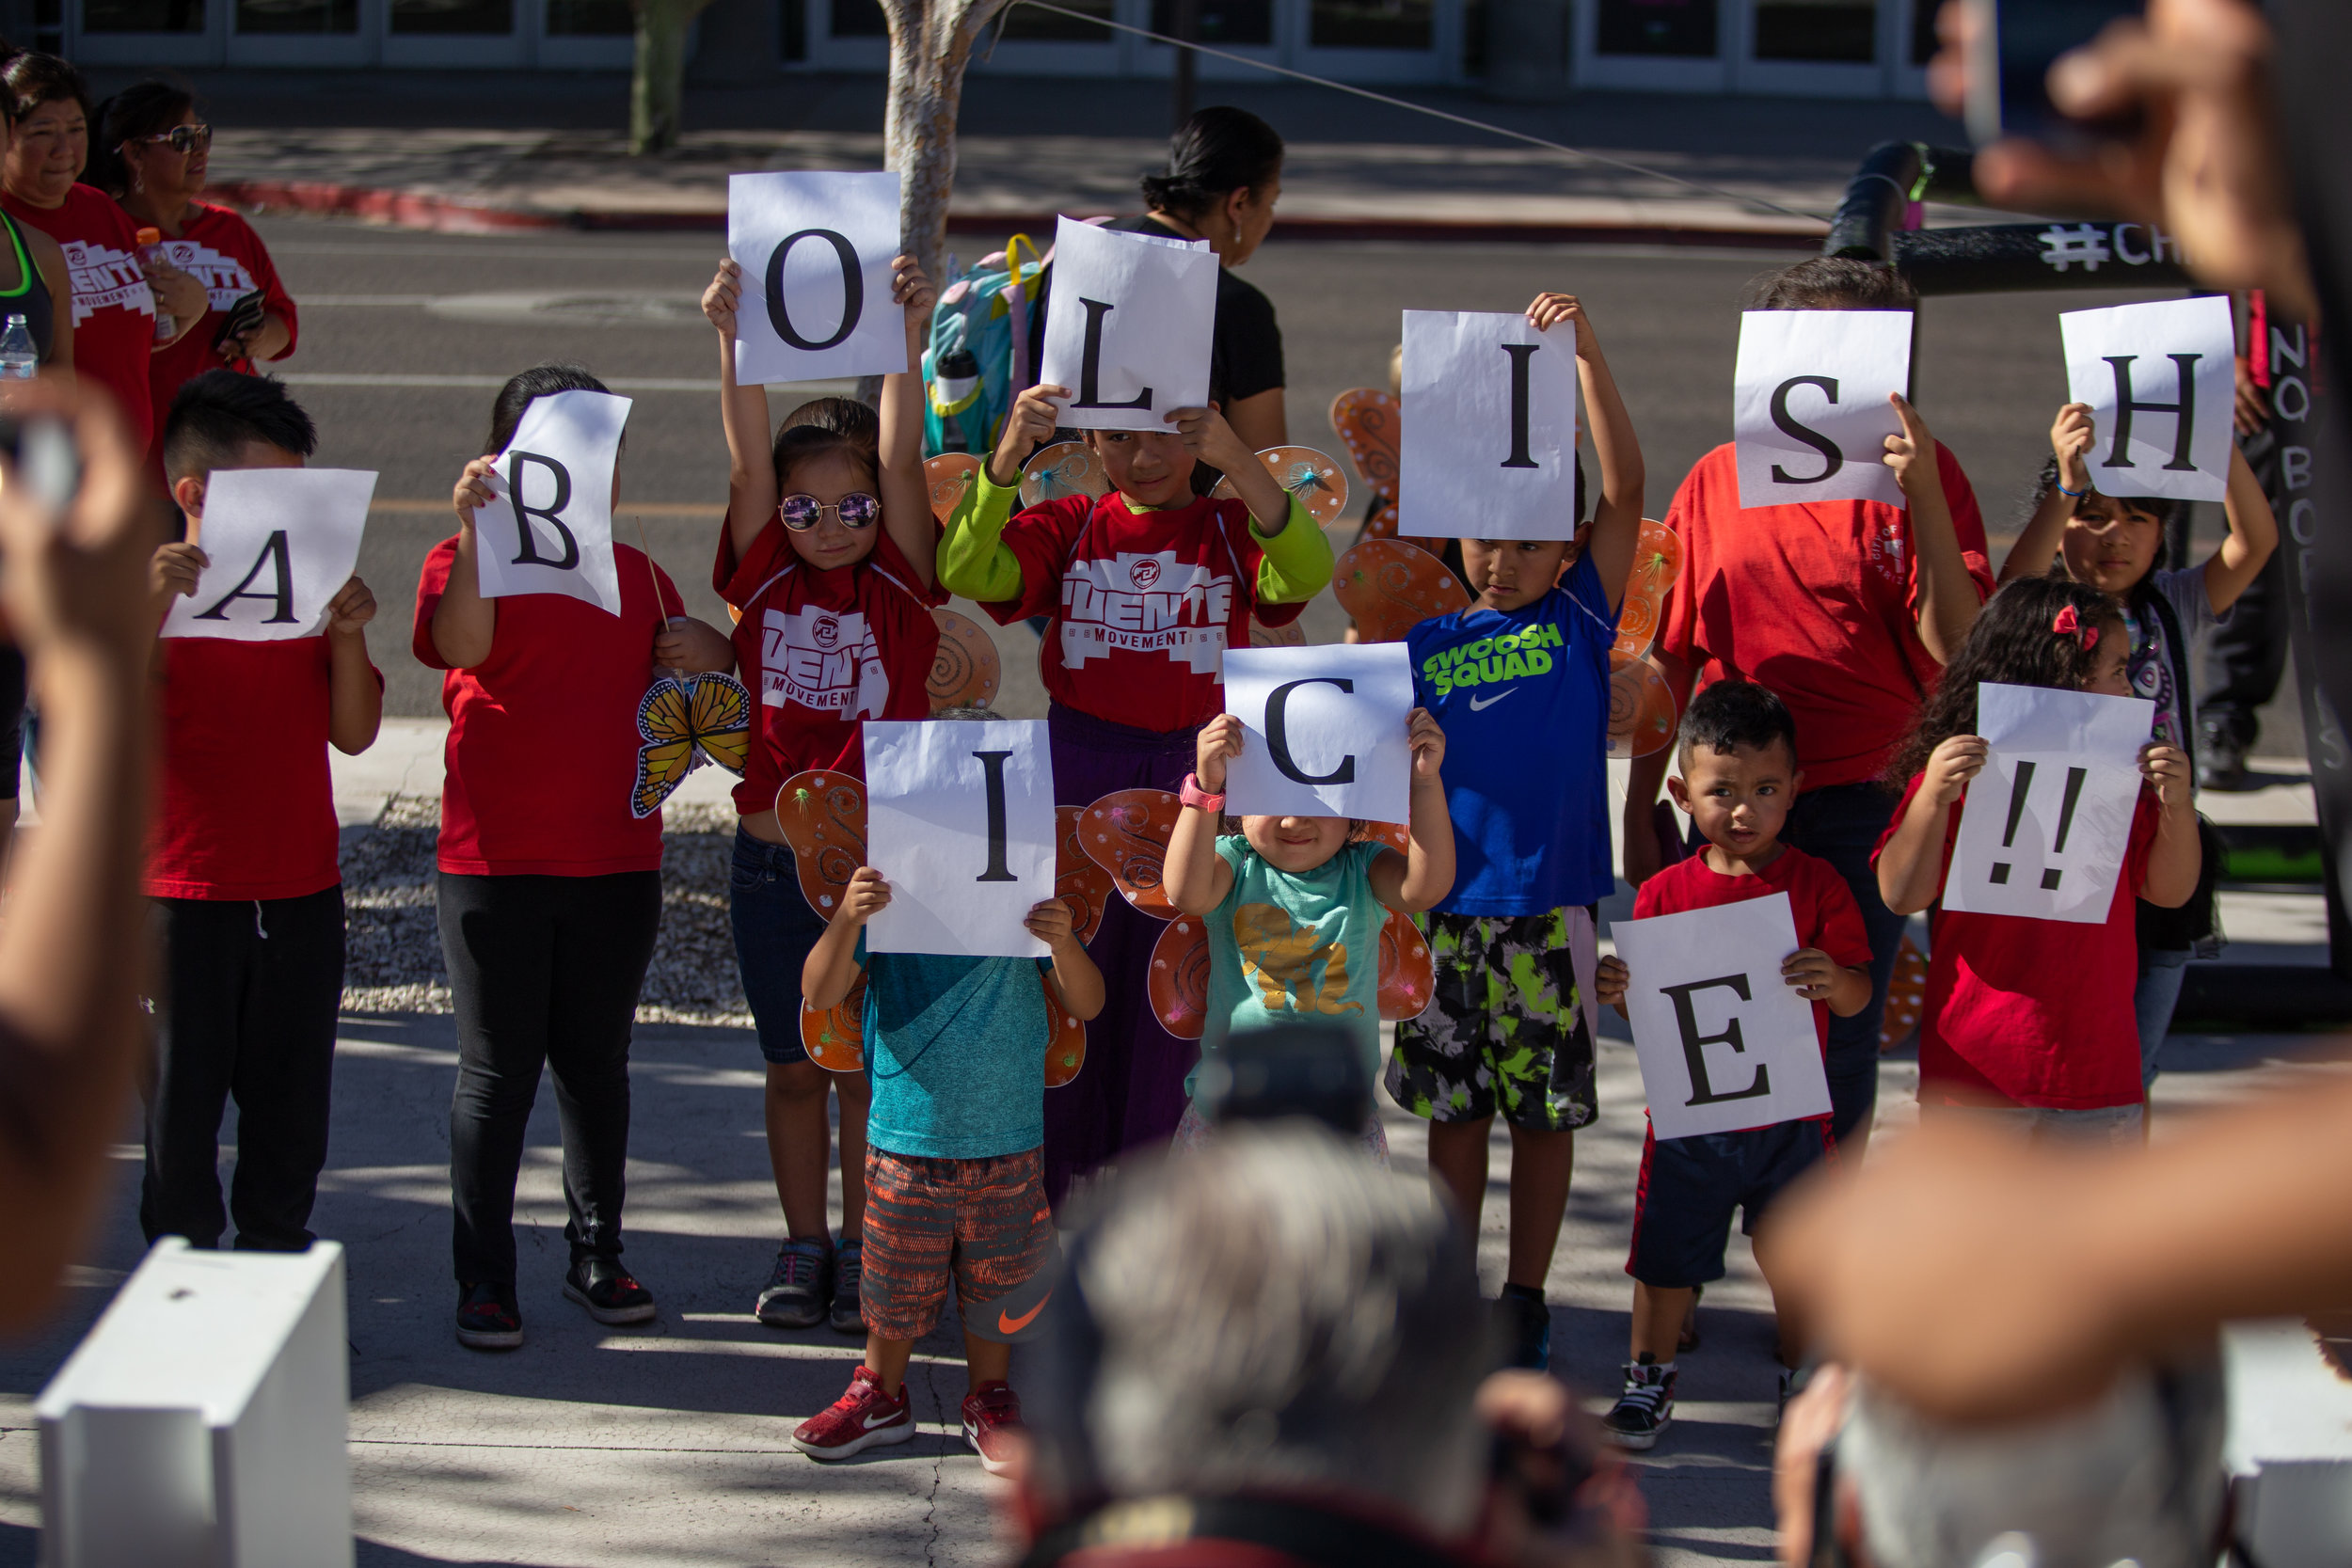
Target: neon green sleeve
{"type": "Point", "coordinates": [974, 559]}
{"type": "Point", "coordinates": [1297, 561]}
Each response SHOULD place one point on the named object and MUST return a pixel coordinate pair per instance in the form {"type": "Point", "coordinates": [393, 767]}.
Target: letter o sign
{"type": "Point", "coordinates": [852, 290]}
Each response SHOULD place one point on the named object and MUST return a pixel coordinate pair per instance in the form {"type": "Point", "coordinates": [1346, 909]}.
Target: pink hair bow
{"type": "Point", "coordinates": [2067, 624]}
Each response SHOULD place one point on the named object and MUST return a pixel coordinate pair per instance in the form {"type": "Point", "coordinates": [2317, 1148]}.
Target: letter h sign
{"type": "Point", "coordinates": [2157, 379]}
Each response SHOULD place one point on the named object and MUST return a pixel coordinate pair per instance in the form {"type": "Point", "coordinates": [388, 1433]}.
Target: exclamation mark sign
{"type": "Point", "coordinates": [2016, 815]}
{"type": "Point", "coordinates": [2066, 821]}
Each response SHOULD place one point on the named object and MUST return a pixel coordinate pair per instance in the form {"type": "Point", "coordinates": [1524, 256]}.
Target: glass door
{"type": "Point", "coordinates": [145, 32]}
{"type": "Point", "coordinates": [455, 33]}
{"type": "Point", "coordinates": [1377, 41]}
{"type": "Point", "coordinates": [1838, 48]}
{"type": "Point", "coordinates": [1252, 28]}
{"type": "Point", "coordinates": [1661, 45]}
{"type": "Point", "coordinates": [302, 32]}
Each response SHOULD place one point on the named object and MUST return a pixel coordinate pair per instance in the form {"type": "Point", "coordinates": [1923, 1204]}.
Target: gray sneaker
{"type": "Point", "coordinates": [848, 1273]}
{"type": "Point", "coordinates": [797, 1288]}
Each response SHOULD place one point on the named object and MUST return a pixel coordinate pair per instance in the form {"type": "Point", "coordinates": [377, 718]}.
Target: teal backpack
{"type": "Point", "coordinates": [979, 359]}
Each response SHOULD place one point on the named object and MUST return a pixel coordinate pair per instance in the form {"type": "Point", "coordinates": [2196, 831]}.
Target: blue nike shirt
{"type": "Point", "coordinates": [1523, 699]}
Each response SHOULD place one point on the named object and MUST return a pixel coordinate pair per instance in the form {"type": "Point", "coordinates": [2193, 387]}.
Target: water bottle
{"type": "Point", "coordinates": [150, 244]}
{"type": "Point", "coordinates": [19, 356]}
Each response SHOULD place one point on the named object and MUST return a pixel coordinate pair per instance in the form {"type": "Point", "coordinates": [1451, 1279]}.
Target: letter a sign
{"type": "Point", "coordinates": [1809, 415]}
{"type": "Point", "coordinates": [282, 542]}
{"type": "Point", "coordinates": [2159, 380]}
{"type": "Point", "coordinates": [815, 250]}
{"type": "Point", "coordinates": [1128, 327]}
{"type": "Point", "coordinates": [960, 820]}
{"type": "Point", "coordinates": [1324, 731]}
{"type": "Point", "coordinates": [1489, 427]}
{"type": "Point", "coordinates": [1723, 1041]}
{"type": "Point", "coordinates": [549, 529]}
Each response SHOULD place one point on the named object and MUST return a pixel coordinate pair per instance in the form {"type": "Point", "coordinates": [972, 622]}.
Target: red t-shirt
{"type": "Point", "coordinates": [543, 738]}
{"type": "Point", "coordinates": [1144, 604]}
{"type": "Point", "coordinates": [1820, 901]}
{"type": "Point", "coordinates": [2033, 1012]}
{"type": "Point", "coordinates": [1815, 601]}
{"type": "Point", "coordinates": [245, 804]}
{"type": "Point", "coordinates": [114, 310]}
{"type": "Point", "coordinates": [822, 651]}
{"type": "Point", "coordinates": [222, 251]}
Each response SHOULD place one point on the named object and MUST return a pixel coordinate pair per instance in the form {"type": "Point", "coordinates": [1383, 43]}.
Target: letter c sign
{"type": "Point", "coordinates": [1278, 734]}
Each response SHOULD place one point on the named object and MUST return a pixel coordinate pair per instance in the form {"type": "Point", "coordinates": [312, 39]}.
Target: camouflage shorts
{"type": "Point", "coordinates": [1504, 1031]}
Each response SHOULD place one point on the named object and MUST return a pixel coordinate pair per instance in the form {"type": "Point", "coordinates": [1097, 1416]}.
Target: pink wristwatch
{"type": "Point", "coordinates": [1191, 794]}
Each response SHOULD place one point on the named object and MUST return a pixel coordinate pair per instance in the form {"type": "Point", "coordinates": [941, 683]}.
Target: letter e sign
{"type": "Point", "coordinates": [1725, 1042]}
{"type": "Point", "coordinates": [1809, 415]}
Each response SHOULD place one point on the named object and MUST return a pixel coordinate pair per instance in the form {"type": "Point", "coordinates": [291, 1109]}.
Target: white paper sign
{"type": "Point", "coordinates": [1128, 326]}
{"type": "Point", "coordinates": [549, 526]}
{"type": "Point", "coordinates": [960, 820]}
{"type": "Point", "coordinates": [1809, 412]}
{"type": "Point", "coordinates": [2047, 821]}
{"type": "Point", "coordinates": [1725, 1042]}
{"type": "Point", "coordinates": [2160, 381]}
{"type": "Point", "coordinates": [1325, 731]}
{"type": "Point", "coordinates": [1489, 427]}
{"type": "Point", "coordinates": [282, 542]}
{"type": "Point", "coordinates": [815, 249]}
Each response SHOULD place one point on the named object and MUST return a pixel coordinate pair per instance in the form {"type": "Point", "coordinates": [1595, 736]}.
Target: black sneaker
{"type": "Point", "coordinates": [606, 1288]}
{"type": "Point", "coordinates": [848, 1273]}
{"type": "Point", "coordinates": [1644, 1409]}
{"type": "Point", "coordinates": [798, 1291]}
{"type": "Point", "coordinates": [489, 1318]}
{"type": "Point", "coordinates": [2220, 757]}
{"type": "Point", "coordinates": [1528, 1320]}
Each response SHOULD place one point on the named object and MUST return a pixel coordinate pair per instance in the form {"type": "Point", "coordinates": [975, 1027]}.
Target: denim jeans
{"type": "Point", "coordinates": [1841, 824]}
{"type": "Point", "coordinates": [2157, 992]}
{"type": "Point", "coordinates": [775, 930]}
{"type": "Point", "coordinates": [2115, 1126]}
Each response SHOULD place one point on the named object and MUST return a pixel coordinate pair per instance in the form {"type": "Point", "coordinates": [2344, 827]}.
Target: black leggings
{"type": "Point", "coordinates": [249, 999]}
{"type": "Point", "coordinates": [542, 971]}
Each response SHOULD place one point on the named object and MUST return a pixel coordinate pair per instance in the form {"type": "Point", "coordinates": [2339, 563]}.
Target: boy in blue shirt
{"type": "Point", "coordinates": [955, 1174]}
{"type": "Point", "coordinates": [1520, 682]}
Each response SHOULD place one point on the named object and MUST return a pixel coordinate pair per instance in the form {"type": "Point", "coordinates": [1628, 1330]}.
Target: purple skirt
{"type": "Point", "coordinates": [1131, 1091]}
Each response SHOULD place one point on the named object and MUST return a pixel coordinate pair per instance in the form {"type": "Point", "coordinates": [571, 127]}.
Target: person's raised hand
{"type": "Point", "coordinates": [78, 580]}
{"type": "Point", "coordinates": [2166, 768]}
{"type": "Point", "coordinates": [1208, 439]}
{"type": "Point", "coordinates": [866, 897]}
{"type": "Point", "coordinates": [1035, 414]}
{"type": "Point", "coordinates": [2071, 437]}
{"type": "Point", "coordinates": [912, 289]}
{"type": "Point", "coordinates": [1052, 922]}
{"type": "Point", "coordinates": [473, 489]}
{"type": "Point", "coordinates": [350, 610]}
{"type": "Point", "coordinates": [173, 569]}
{"type": "Point", "coordinates": [1912, 452]}
{"type": "Point", "coordinates": [721, 299]}
{"type": "Point", "coordinates": [1611, 980]}
{"type": "Point", "coordinates": [1219, 743]}
{"type": "Point", "coordinates": [1427, 740]}
{"type": "Point", "coordinates": [1955, 760]}
{"type": "Point", "coordinates": [1811, 973]}
{"type": "Point", "coordinates": [1549, 310]}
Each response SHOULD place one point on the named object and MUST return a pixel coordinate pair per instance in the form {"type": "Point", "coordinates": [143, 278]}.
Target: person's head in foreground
{"type": "Point", "coordinates": [1282, 1345]}
{"type": "Point", "coordinates": [1862, 1481]}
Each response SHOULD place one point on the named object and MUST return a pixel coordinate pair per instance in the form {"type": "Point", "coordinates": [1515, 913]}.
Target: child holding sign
{"type": "Point", "coordinates": [242, 861]}
{"type": "Point", "coordinates": [1529, 799]}
{"type": "Point", "coordinates": [2115, 544]}
{"type": "Point", "coordinates": [2041, 1042]}
{"type": "Point", "coordinates": [954, 1169]}
{"type": "Point", "coordinates": [1739, 776]}
{"type": "Point", "coordinates": [550, 887]}
{"type": "Point", "coordinates": [1293, 906]}
{"type": "Point", "coordinates": [827, 552]}
{"type": "Point", "coordinates": [1147, 586]}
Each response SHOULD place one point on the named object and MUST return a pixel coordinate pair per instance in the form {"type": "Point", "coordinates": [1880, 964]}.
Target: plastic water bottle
{"type": "Point", "coordinates": [20, 357]}
{"type": "Point", "coordinates": [150, 244]}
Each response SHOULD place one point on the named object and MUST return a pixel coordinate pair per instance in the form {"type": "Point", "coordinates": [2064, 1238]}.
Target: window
{"type": "Point", "coordinates": [1923, 31]}
{"type": "Point", "coordinates": [1682, 28]}
{"type": "Point", "coordinates": [143, 16]}
{"type": "Point", "coordinates": [1027, 24]}
{"type": "Point", "coordinates": [1370, 25]}
{"type": "Point", "coordinates": [792, 30]}
{"type": "Point", "coordinates": [1839, 32]}
{"type": "Point", "coordinates": [493, 17]}
{"type": "Point", "coordinates": [590, 19]}
{"type": "Point", "coordinates": [297, 16]}
{"type": "Point", "coordinates": [1222, 21]}
{"type": "Point", "coordinates": [859, 18]}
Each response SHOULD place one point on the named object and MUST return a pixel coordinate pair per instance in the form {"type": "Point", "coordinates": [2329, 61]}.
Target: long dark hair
{"type": "Point", "coordinates": [822, 427]}
{"type": "Point", "coordinates": [149, 108]}
{"type": "Point", "coordinates": [537, 382]}
{"type": "Point", "coordinates": [1831, 283]}
{"type": "Point", "coordinates": [1218, 151]}
{"type": "Point", "coordinates": [2013, 643]}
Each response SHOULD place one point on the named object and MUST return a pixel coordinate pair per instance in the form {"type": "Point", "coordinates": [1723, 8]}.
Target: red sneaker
{"type": "Point", "coordinates": [991, 1424]}
{"type": "Point", "coordinates": [861, 1418]}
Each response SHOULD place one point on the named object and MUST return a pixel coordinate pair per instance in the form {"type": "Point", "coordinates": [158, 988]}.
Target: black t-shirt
{"type": "Point", "coordinates": [1246, 355]}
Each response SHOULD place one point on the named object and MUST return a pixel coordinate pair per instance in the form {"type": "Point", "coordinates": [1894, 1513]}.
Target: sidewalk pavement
{"type": "Point", "coordinates": [1355, 169]}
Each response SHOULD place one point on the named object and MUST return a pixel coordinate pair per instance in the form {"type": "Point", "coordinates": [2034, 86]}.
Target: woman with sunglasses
{"type": "Point", "coordinates": [150, 155]}
{"type": "Point", "coordinates": [549, 886]}
{"type": "Point", "coordinates": [116, 294]}
{"type": "Point", "coordinates": [827, 554]}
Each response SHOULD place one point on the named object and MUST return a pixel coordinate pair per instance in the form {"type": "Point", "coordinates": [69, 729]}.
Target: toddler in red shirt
{"type": "Point", "coordinates": [827, 558]}
{"type": "Point", "coordinates": [242, 860]}
{"type": "Point", "coordinates": [1739, 776]}
{"type": "Point", "coordinates": [1147, 586]}
{"type": "Point", "coordinates": [2012, 1028]}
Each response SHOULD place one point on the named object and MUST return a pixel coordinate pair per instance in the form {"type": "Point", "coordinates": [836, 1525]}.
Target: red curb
{"type": "Point", "coordinates": [450, 216]}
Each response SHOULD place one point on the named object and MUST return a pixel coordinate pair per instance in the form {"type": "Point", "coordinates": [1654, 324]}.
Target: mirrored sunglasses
{"type": "Point", "coordinates": [855, 510]}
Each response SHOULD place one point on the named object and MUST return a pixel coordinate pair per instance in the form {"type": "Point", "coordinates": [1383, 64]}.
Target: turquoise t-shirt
{"type": "Point", "coordinates": [1295, 949]}
{"type": "Point", "coordinates": [955, 1050]}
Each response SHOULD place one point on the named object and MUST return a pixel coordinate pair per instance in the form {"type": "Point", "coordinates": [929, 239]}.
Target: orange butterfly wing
{"type": "Point", "coordinates": [1367, 421]}
{"type": "Point", "coordinates": [1179, 977]}
{"type": "Point", "coordinates": [1126, 834]}
{"type": "Point", "coordinates": [1409, 974]}
{"type": "Point", "coordinates": [1078, 882]}
{"type": "Point", "coordinates": [823, 817]}
{"type": "Point", "coordinates": [965, 671]}
{"type": "Point", "coordinates": [1065, 1039]}
{"type": "Point", "coordinates": [835, 1036]}
{"type": "Point", "coordinates": [1657, 562]}
{"type": "Point", "coordinates": [1640, 707]}
{"type": "Point", "coordinates": [1388, 587]}
{"type": "Point", "coordinates": [950, 475]}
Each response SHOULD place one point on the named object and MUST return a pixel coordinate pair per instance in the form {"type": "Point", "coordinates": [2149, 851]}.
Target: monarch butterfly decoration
{"type": "Point", "coordinates": [685, 721]}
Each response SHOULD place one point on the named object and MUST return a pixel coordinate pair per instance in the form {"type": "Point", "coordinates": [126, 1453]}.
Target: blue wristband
{"type": "Point", "coordinates": [2076, 494]}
